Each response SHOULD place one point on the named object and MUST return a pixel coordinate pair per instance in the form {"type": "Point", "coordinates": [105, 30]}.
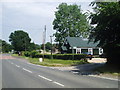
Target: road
{"type": "Point", "coordinates": [18, 73]}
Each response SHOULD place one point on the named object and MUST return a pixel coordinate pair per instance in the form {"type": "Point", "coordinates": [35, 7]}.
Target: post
{"type": "Point", "coordinates": [25, 43]}
{"type": "Point", "coordinates": [44, 37]}
{"type": "Point", "coordinates": [72, 53]}
{"type": "Point", "coordinates": [51, 47]}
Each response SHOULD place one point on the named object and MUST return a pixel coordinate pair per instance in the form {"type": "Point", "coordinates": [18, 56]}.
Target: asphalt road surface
{"type": "Point", "coordinates": [18, 73]}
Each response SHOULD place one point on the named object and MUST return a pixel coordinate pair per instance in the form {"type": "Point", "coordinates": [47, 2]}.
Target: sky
{"type": "Point", "coordinates": [31, 16]}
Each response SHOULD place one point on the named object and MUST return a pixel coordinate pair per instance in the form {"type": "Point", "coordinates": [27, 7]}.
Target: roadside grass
{"type": "Point", "coordinates": [106, 69]}
{"type": "Point", "coordinates": [53, 62]}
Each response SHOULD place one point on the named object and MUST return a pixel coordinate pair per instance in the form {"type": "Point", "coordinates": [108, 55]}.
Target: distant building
{"type": "Point", "coordinates": [78, 45]}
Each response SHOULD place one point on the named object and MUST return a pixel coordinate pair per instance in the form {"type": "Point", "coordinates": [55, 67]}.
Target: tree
{"type": "Point", "coordinates": [34, 46]}
{"type": "Point", "coordinates": [48, 46]}
{"type": "Point", "coordinates": [69, 21]}
{"type": "Point", "coordinates": [0, 45]}
{"type": "Point", "coordinates": [20, 40]}
{"type": "Point", "coordinates": [5, 47]}
{"type": "Point", "coordinates": [106, 17]}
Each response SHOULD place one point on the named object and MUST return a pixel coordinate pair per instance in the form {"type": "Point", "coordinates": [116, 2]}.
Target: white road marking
{"type": "Point", "coordinates": [104, 77]}
{"type": "Point", "coordinates": [28, 63]}
{"type": "Point", "coordinates": [52, 68]}
{"type": "Point", "coordinates": [11, 63]}
{"type": "Point", "coordinates": [17, 66]}
{"type": "Point", "coordinates": [40, 75]}
{"type": "Point", "coordinates": [51, 80]}
{"type": "Point", "coordinates": [27, 70]}
{"type": "Point", "coordinates": [75, 72]}
{"type": "Point", "coordinates": [36, 65]}
{"type": "Point", "coordinates": [58, 84]}
{"type": "Point", "coordinates": [45, 78]}
{"type": "Point", "coordinates": [60, 69]}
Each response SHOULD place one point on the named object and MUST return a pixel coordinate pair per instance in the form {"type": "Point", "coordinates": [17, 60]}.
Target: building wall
{"type": "Point", "coordinates": [95, 51]}
{"type": "Point", "coordinates": [92, 51]}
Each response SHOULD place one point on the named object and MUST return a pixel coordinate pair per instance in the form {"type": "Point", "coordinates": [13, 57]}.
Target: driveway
{"type": "Point", "coordinates": [87, 69]}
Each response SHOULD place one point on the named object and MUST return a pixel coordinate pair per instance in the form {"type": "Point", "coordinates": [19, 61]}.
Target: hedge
{"type": "Point", "coordinates": [35, 54]}
{"type": "Point", "coordinates": [69, 56]}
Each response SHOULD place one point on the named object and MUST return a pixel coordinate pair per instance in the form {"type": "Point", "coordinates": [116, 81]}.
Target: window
{"type": "Point", "coordinates": [78, 50]}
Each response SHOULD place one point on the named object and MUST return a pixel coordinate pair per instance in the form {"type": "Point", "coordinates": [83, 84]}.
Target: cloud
{"type": "Point", "coordinates": [0, 20]}
{"type": "Point", "coordinates": [42, 9]}
{"type": "Point", "coordinates": [46, 0]}
{"type": "Point", "coordinates": [31, 16]}
{"type": "Point", "coordinates": [39, 9]}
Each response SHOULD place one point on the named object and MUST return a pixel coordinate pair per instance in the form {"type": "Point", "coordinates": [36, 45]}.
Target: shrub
{"type": "Point", "coordinates": [26, 53]}
{"type": "Point", "coordinates": [34, 54]}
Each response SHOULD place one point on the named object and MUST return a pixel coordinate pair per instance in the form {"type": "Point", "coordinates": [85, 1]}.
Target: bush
{"type": "Point", "coordinates": [26, 53]}
{"type": "Point", "coordinates": [34, 54]}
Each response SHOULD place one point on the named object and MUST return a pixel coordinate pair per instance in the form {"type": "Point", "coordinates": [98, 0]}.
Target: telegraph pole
{"type": "Point", "coordinates": [51, 47]}
{"type": "Point", "coordinates": [44, 38]}
{"type": "Point", "coordinates": [25, 43]}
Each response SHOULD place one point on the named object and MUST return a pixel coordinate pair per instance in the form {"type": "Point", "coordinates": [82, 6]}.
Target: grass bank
{"type": "Point", "coordinates": [53, 62]}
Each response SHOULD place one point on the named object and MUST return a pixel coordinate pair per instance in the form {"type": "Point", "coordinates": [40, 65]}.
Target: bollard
{"type": "Point", "coordinates": [40, 59]}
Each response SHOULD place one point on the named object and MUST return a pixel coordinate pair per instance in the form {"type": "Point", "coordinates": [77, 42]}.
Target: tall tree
{"type": "Point", "coordinates": [0, 45]}
{"type": "Point", "coordinates": [33, 46]}
{"type": "Point", "coordinates": [48, 46]}
{"type": "Point", "coordinates": [106, 17]}
{"type": "Point", "coordinates": [5, 47]}
{"type": "Point", "coordinates": [20, 40]}
{"type": "Point", "coordinates": [69, 21]}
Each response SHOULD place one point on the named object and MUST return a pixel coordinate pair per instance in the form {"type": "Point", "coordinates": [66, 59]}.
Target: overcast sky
{"type": "Point", "coordinates": [31, 16]}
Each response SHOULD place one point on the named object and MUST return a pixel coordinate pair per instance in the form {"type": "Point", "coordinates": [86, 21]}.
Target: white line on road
{"type": "Point", "coordinates": [30, 63]}
{"type": "Point", "coordinates": [75, 72]}
{"type": "Point", "coordinates": [104, 77]}
{"type": "Point", "coordinates": [11, 63]}
{"type": "Point", "coordinates": [51, 67]}
{"type": "Point", "coordinates": [45, 78]}
{"type": "Point", "coordinates": [51, 80]}
{"type": "Point", "coordinates": [17, 66]}
{"type": "Point", "coordinates": [36, 65]}
{"type": "Point", "coordinates": [58, 84]}
{"type": "Point", "coordinates": [27, 70]}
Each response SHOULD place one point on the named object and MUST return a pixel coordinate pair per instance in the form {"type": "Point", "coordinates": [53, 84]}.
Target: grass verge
{"type": "Point", "coordinates": [53, 62]}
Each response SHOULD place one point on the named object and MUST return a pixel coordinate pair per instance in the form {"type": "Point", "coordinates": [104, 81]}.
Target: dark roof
{"type": "Point", "coordinates": [79, 42]}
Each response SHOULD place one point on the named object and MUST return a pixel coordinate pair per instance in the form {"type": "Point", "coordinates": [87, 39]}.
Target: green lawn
{"type": "Point", "coordinates": [53, 62]}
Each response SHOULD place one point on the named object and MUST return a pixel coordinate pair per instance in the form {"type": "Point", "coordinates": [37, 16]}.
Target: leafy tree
{"type": "Point", "coordinates": [48, 46]}
{"type": "Point", "coordinates": [0, 45]}
{"type": "Point", "coordinates": [20, 40]}
{"type": "Point", "coordinates": [37, 47]}
{"type": "Point", "coordinates": [34, 46]}
{"type": "Point", "coordinates": [107, 30]}
{"type": "Point", "coordinates": [5, 47]}
{"type": "Point", "coordinates": [69, 21]}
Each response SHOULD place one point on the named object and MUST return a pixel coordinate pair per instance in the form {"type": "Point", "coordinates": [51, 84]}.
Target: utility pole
{"type": "Point", "coordinates": [44, 38]}
{"type": "Point", "coordinates": [51, 47]}
{"type": "Point", "coordinates": [25, 43]}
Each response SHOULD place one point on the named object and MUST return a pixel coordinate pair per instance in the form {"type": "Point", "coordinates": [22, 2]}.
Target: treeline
{"type": "Point", "coordinates": [20, 41]}
{"type": "Point", "coordinates": [5, 47]}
